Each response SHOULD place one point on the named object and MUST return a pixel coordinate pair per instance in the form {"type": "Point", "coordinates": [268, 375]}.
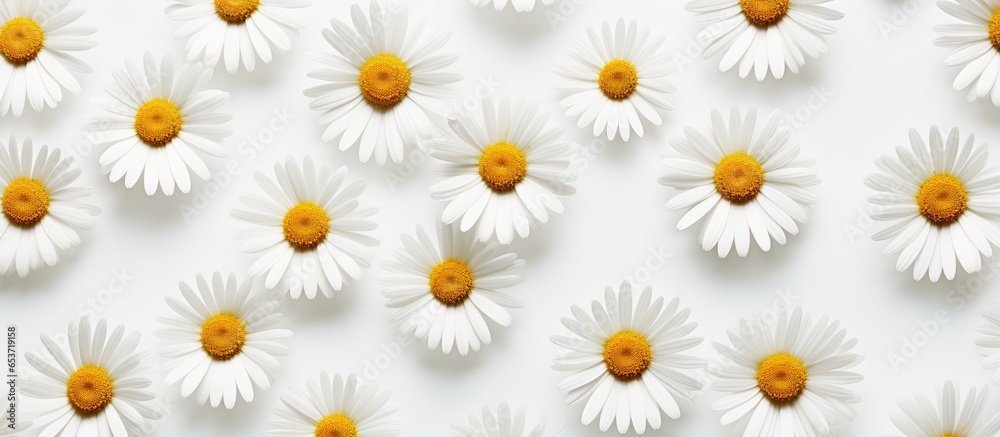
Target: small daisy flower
{"type": "Point", "coordinates": [975, 46]}
{"type": "Point", "coordinates": [442, 292]}
{"type": "Point", "coordinates": [941, 202]}
{"type": "Point", "coordinates": [947, 415]}
{"type": "Point", "coordinates": [222, 341]}
{"type": "Point", "coordinates": [502, 422]}
{"type": "Point", "coordinates": [36, 39]}
{"type": "Point", "coordinates": [519, 5]}
{"type": "Point", "coordinates": [615, 78]}
{"type": "Point", "coordinates": [308, 230]}
{"type": "Point", "coordinates": [335, 407]}
{"type": "Point", "coordinates": [503, 170]}
{"type": "Point", "coordinates": [94, 386]}
{"type": "Point", "coordinates": [232, 30]}
{"type": "Point", "coordinates": [42, 211]}
{"type": "Point", "coordinates": [748, 180]}
{"type": "Point", "coordinates": [989, 343]}
{"type": "Point", "coordinates": [385, 80]}
{"type": "Point", "coordinates": [626, 359]}
{"type": "Point", "coordinates": [765, 35]}
{"type": "Point", "coordinates": [157, 123]}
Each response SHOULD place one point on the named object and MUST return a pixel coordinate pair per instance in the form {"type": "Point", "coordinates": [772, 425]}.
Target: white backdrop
{"type": "Point", "coordinates": [883, 76]}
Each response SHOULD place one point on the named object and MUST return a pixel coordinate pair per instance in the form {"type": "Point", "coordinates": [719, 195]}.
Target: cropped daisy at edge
{"type": "Point", "coordinates": [336, 406]}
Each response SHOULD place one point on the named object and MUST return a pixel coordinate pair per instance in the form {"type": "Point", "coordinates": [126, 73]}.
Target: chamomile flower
{"type": "Point", "coordinates": [502, 422]}
{"type": "Point", "coordinates": [519, 5]}
{"type": "Point", "coordinates": [158, 122]}
{"type": "Point", "coordinates": [335, 407]}
{"type": "Point", "coordinates": [444, 293]}
{"type": "Point", "coordinates": [627, 359]}
{"type": "Point", "coordinates": [504, 170]}
{"type": "Point", "coordinates": [386, 79]}
{"type": "Point", "coordinates": [947, 415]}
{"type": "Point", "coordinates": [989, 343]}
{"type": "Point", "coordinates": [616, 79]}
{"type": "Point", "coordinates": [941, 202]}
{"type": "Point", "coordinates": [787, 377]}
{"type": "Point", "coordinates": [41, 210]}
{"type": "Point", "coordinates": [94, 386]}
{"type": "Point", "coordinates": [234, 30]}
{"type": "Point", "coordinates": [307, 229]}
{"type": "Point", "coordinates": [222, 340]}
{"type": "Point", "coordinates": [37, 38]}
{"type": "Point", "coordinates": [975, 46]}
{"type": "Point", "coordinates": [765, 35]}
{"type": "Point", "coordinates": [747, 179]}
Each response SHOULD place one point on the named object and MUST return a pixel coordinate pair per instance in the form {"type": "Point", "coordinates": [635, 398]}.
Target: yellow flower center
{"type": "Point", "coordinates": [618, 79]}
{"type": "Point", "coordinates": [994, 28]}
{"type": "Point", "coordinates": [236, 11]}
{"type": "Point", "coordinates": [223, 336]}
{"type": "Point", "coordinates": [25, 201]}
{"type": "Point", "coordinates": [451, 282]}
{"type": "Point", "coordinates": [738, 177]}
{"type": "Point", "coordinates": [782, 377]}
{"type": "Point", "coordinates": [158, 122]}
{"type": "Point", "coordinates": [502, 166]}
{"type": "Point", "coordinates": [21, 40]}
{"type": "Point", "coordinates": [951, 435]}
{"type": "Point", "coordinates": [336, 425]}
{"type": "Point", "coordinates": [942, 199]}
{"type": "Point", "coordinates": [763, 13]}
{"type": "Point", "coordinates": [384, 81]}
{"type": "Point", "coordinates": [306, 225]}
{"type": "Point", "coordinates": [627, 354]}
{"type": "Point", "coordinates": [90, 389]}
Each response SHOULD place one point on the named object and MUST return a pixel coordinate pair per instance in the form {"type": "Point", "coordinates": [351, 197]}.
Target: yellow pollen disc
{"type": "Point", "coordinates": [738, 177]}
{"type": "Point", "coordinates": [306, 225]}
{"type": "Point", "coordinates": [158, 122]}
{"type": "Point", "coordinates": [384, 81]}
{"type": "Point", "coordinates": [236, 11]}
{"type": "Point", "coordinates": [942, 199]}
{"type": "Point", "coordinates": [223, 336]}
{"type": "Point", "coordinates": [90, 389]}
{"type": "Point", "coordinates": [336, 425]}
{"type": "Point", "coordinates": [994, 28]}
{"type": "Point", "coordinates": [451, 282]}
{"type": "Point", "coordinates": [763, 13]}
{"type": "Point", "coordinates": [21, 40]}
{"type": "Point", "coordinates": [618, 79]}
{"type": "Point", "coordinates": [627, 354]}
{"type": "Point", "coordinates": [782, 377]}
{"type": "Point", "coordinates": [502, 166]}
{"type": "Point", "coordinates": [25, 201]}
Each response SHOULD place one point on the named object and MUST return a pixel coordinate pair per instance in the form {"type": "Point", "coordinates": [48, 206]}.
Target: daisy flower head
{"type": "Point", "coordinates": [941, 203]}
{"type": "Point", "coordinates": [946, 415]}
{"type": "Point", "coordinates": [989, 343]}
{"type": "Point", "coordinates": [502, 421]}
{"type": "Point", "coordinates": [234, 30]}
{"type": "Point", "coordinates": [307, 229]}
{"type": "Point", "coordinates": [222, 340]}
{"type": "Point", "coordinates": [37, 38]}
{"type": "Point", "coordinates": [519, 5]}
{"type": "Point", "coordinates": [385, 80]}
{"type": "Point", "coordinates": [504, 170]}
{"type": "Point", "coordinates": [746, 178]}
{"type": "Point", "coordinates": [626, 359]}
{"type": "Point", "coordinates": [41, 209]}
{"type": "Point", "coordinates": [335, 406]}
{"type": "Point", "coordinates": [95, 385]}
{"type": "Point", "coordinates": [975, 46]}
{"type": "Point", "coordinates": [158, 122]}
{"type": "Point", "coordinates": [616, 79]}
{"type": "Point", "coordinates": [444, 293]}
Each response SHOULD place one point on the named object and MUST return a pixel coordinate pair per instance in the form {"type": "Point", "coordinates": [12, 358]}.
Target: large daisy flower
{"type": "Point", "coordinates": [335, 407]}
{"type": "Point", "coordinates": [947, 415]}
{"type": "Point", "coordinates": [942, 204]}
{"type": "Point", "coordinates": [614, 78]}
{"type": "Point", "coordinates": [519, 5]}
{"type": "Point", "coordinates": [442, 292]}
{"type": "Point", "coordinates": [236, 29]}
{"type": "Point", "coordinates": [765, 35]}
{"type": "Point", "coordinates": [787, 377]}
{"type": "Point", "coordinates": [975, 46]}
{"type": "Point", "coordinates": [503, 170]}
{"type": "Point", "coordinates": [158, 121]}
{"type": "Point", "coordinates": [36, 38]}
{"type": "Point", "coordinates": [222, 341]}
{"type": "Point", "coordinates": [382, 84]}
{"type": "Point", "coordinates": [502, 422]}
{"type": "Point", "coordinates": [94, 387]}
{"type": "Point", "coordinates": [308, 229]}
{"type": "Point", "coordinates": [748, 180]}
{"type": "Point", "coordinates": [42, 212]}
{"type": "Point", "coordinates": [989, 343]}
{"type": "Point", "coordinates": [626, 359]}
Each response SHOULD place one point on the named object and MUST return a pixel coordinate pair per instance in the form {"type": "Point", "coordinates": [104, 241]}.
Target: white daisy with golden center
{"type": "Point", "coordinates": [502, 421]}
{"type": "Point", "coordinates": [504, 170]}
{"type": "Point", "coordinates": [40, 210]}
{"type": "Point", "coordinates": [765, 35]}
{"type": "Point", "coordinates": [308, 229]}
{"type": "Point", "coordinates": [444, 293]}
{"type": "Point", "coordinates": [947, 415]}
{"type": "Point", "coordinates": [941, 202]}
{"type": "Point", "coordinates": [335, 407]}
{"type": "Point", "coordinates": [158, 123]}
{"type": "Point", "coordinates": [384, 83]}
{"type": "Point", "coordinates": [222, 340]}
{"type": "Point", "coordinates": [234, 30]}
{"type": "Point", "coordinates": [627, 361]}
{"type": "Point", "coordinates": [36, 41]}
{"type": "Point", "coordinates": [616, 79]}
{"type": "Point", "coordinates": [786, 377]}
{"type": "Point", "coordinates": [989, 343]}
{"type": "Point", "coordinates": [975, 46]}
{"type": "Point", "coordinates": [95, 386]}
{"type": "Point", "coordinates": [746, 179]}
{"type": "Point", "coordinates": [518, 5]}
